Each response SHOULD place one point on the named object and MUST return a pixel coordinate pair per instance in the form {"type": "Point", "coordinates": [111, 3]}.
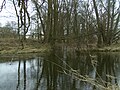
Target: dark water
{"type": "Point", "coordinates": [62, 69]}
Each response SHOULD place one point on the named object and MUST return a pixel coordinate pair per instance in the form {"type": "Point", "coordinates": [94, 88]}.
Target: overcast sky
{"type": "Point", "coordinates": [8, 12]}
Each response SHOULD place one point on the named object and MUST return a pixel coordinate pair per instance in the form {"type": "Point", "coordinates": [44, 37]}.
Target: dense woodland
{"type": "Point", "coordinates": [75, 22]}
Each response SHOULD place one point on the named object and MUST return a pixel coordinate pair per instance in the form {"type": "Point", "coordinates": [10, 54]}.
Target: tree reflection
{"type": "Point", "coordinates": [101, 69]}
{"type": "Point", "coordinates": [62, 69]}
{"type": "Point", "coordinates": [106, 69]}
{"type": "Point", "coordinates": [18, 84]}
{"type": "Point", "coordinates": [40, 68]}
{"type": "Point", "coordinates": [24, 63]}
{"type": "Point", "coordinates": [51, 71]}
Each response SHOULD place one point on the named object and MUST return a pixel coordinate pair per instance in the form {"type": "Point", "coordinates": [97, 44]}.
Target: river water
{"type": "Point", "coordinates": [62, 70]}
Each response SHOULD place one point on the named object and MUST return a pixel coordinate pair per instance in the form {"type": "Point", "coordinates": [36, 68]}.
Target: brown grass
{"type": "Point", "coordinates": [14, 46]}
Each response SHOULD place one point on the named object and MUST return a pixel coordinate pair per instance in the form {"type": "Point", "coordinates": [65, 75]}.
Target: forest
{"type": "Point", "coordinates": [60, 45]}
{"type": "Point", "coordinates": [78, 23]}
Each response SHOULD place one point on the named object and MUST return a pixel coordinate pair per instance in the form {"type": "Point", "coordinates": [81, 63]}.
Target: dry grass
{"type": "Point", "coordinates": [14, 46]}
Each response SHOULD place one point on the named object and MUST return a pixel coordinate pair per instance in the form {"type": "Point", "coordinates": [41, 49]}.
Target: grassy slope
{"type": "Point", "coordinates": [13, 46]}
{"type": "Point", "coordinates": [111, 48]}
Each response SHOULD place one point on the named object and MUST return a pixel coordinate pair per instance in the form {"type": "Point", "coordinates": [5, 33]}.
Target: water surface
{"type": "Point", "coordinates": [62, 70]}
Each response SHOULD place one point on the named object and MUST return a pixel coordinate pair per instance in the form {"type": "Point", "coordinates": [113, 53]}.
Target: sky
{"type": "Point", "coordinates": [8, 13]}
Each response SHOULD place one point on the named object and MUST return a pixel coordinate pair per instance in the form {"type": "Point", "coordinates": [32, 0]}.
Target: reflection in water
{"type": "Point", "coordinates": [106, 69]}
{"type": "Point", "coordinates": [24, 62]}
{"type": "Point", "coordinates": [51, 71]}
{"type": "Point", "coordinates": [63, 69]}
{"type": "Point", "coordinates": [40, 68]}
{"type": "Point", "coordinates": [18, 84]}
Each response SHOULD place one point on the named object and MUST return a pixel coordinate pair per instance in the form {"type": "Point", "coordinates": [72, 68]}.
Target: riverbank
{"type": "Point", "coordinates": [12, 49]}
{"type": "Point", "coordinates": [14, 46]}
{"type": "Point", "coordinates": [111, 48]}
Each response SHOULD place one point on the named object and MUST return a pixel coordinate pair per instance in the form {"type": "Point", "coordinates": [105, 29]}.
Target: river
{"type": "Point", "coordinates": [62, 70]}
